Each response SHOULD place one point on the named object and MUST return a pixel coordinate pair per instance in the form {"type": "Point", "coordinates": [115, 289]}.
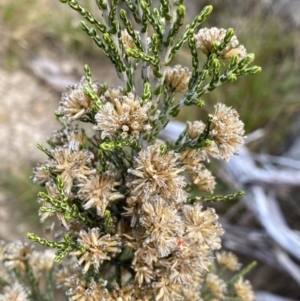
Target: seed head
{"type": "Point", "coordinates": [71, 164]}
{"type": "Point", "coordinates": [226, 130]}
{"type": "Point", "coordinates": [207, 36]}
{"type": "Point", "coordinates": [195, 128]}
{"type": "Point", "coordinates": [97, 191]}
{"type": "Point", "coordinates": [156, 173]}
{"type": "Point", "coordinates": [202, 225]}
{"type": "Point", "coordinates": [97, 248]}
{"type": "Point", "coordinates": [75, 103]}
{"type": "Point", "coordinates": [243, 290]}
{"type": "Point", "coordinates": [215, 285]}
{"type": "Point", "coordinates": [228, 260]}
{"type": "Point", "coordinates": [15, 292]}
{"type": "Point", "coordinates": [125, 115]}
{"type": "Point", "coordinates": [177, 78]}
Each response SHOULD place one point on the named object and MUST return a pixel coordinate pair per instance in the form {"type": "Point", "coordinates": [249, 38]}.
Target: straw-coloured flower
{"type": "Point", "coordinates": [41, 175]}
{"type": "Point", "coordinates": [15, 292]}
{"type": "Point", "coordinates": [165, 224]}
{"type": "Point", "coordinates": [16, 254]}
{"type": "Point", "coordinates": [97, 191]}
{"type": "Point", "coordinates": [228, 260]}
{"type": "Point", "coordinates": [41, 261]}
{"type": "Point", "coordinates": [226, 130]}
{"type": "Point", "coordinates": [202, 225]}
{"type": "Point", "coordinates": [243, 290]}
{"type": "Point", "coordinates": [78, 289]}
{"type": "Point", "coordinates": [71, 164]}
{"type": "Point", "coordinates": [75, 103]}
{"type": "Point", "coordinates": [97, 248]}
{"type": "Point", "coordinates": [124, 114]}
{"type": "Point", "coordinates": [69, 135]}
{"type": "Point", "coordinates": [215, 285]}
{"type": "Point", "coordinates": [203, 178]}
{"type": "Point", "coordinates": [195, 128]}
{"type": "Point", "coordinates": [156, 173]}
{"type": "Point", "coordinates": [177, 78]}
{"type": "Point", "coordinates": [111, 94]}
{"type": "Point", "coordinates": [207, 36]}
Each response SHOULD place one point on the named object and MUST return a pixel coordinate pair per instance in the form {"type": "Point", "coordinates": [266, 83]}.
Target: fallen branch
{"type": "Point", "coordinates": [259, 245]}
{"type": "Point", "coordinates": [264, 296]}
{"type": "Point", "coordinates": [283, 161]}
{"type": "Point", "coordinates": [248, 176]}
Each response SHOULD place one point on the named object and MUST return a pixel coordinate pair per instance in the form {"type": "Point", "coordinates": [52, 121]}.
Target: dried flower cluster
{"type": "Point", "coordinates": [177, 78]}
{"type": "Point", "coordinates": [131, 206]}
{"type": "Point", "coordinates": [124, 114]}
{"type": "Point", "coordinates": [216, 288]}
{"type": "Point", "coordinates": [207, 37]}
{"type": "Point", "coordinates": [24, 272]}
{"type": "Point", "coordinates": [226, 130]}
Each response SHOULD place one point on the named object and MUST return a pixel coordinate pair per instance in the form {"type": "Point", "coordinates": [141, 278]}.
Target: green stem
{"type": "Point", "coordinates": [242, 273]}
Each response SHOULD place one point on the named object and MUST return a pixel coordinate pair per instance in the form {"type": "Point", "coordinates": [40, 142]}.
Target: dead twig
{"type": "Point", "coordinates": [265, 296]}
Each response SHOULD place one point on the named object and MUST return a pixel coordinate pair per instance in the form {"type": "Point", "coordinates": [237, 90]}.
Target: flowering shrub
{"type": "Point", "coordinates": [130, 227]}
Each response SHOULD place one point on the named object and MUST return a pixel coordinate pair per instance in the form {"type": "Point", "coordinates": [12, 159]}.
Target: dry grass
{"type": "Point", "coordinates": [31, 26]}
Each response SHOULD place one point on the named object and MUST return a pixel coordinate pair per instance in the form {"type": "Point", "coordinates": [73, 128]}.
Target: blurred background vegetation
{"type": "Point", "coordinates": [45, 28]}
